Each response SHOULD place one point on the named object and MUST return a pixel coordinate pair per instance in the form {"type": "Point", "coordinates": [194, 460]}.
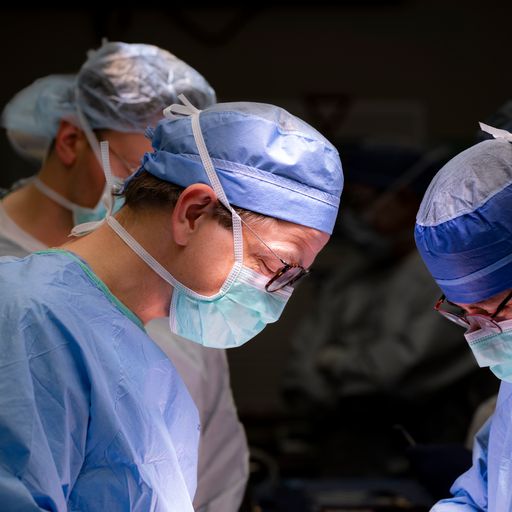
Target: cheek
{"type": "Point", "coordinates": [97, 180]}
{"type": "Point", "coordinates": [219, 258]}
{"type": "Point", "coordinates": [89, 182]}
{"type": "Point", "coordinates": [210, 260]}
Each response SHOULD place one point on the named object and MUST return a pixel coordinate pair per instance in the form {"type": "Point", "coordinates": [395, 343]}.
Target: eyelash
{"type": "Point", "coordinates": [266, 268]}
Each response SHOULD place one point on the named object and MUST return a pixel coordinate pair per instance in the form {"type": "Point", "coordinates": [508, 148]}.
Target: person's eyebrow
{"type": "Point", "coordinates": [288, 254]}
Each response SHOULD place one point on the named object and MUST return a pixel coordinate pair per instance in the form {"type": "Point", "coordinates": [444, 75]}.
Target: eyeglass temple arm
{"type": "Point", "coordinates": [439, 302]}
{"type": "Point", "coordinates": [502, 304]}
{"type": "Point", "coordinates": [263, 242]}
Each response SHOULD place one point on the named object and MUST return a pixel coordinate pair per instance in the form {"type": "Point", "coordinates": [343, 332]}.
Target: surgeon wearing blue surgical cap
{"type": "Point", "coordinates": [464, 234]}
{"type": "Point", "coordinates": [221, 221]}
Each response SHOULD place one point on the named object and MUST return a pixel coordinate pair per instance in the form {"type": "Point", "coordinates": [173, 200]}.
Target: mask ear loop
{"type": "Point", "coordinates": [84, 124]}
{"type": "Point", "coordinates": [102, 153]}
{"type": "Point", "coordinates": [107, 199]}
{"type": "Point", "coordinates": [55, 196]}
{"type": "Point", "coordinates": [187, 109]}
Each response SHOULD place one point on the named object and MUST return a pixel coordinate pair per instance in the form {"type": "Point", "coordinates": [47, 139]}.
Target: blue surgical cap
{"type": "Point", "coordinates": [464, 224]}
{"type": "Point", "coordinates": [121, 86]}
{"type": "Point", "coordinates": [268, 161]}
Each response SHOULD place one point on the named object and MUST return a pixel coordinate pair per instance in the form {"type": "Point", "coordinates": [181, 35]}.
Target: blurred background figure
{"type": "Point", "coordinates": [57, 122]}
{"type": "Point", "coordinates": [373, 354]}
{"type": "Point", "coordinates": [375, 371]}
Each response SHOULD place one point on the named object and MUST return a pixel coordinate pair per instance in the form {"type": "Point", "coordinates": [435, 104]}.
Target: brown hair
{"type": "Point", "coordinates": [147, 191]}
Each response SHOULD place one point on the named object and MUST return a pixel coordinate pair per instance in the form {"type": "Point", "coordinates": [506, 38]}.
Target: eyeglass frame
{"type": "Point", "coordinates": [131, 169]}
{"type": "Point", "coordinates": [285, 268]}
{"type": "Point", "coordinates": [463, 318]}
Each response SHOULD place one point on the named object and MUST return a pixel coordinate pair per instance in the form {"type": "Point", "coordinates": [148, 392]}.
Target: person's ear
{"type": "Point", "coordinates": [195, 204]}
{"type": "Point", "coordinates": [69, 141]}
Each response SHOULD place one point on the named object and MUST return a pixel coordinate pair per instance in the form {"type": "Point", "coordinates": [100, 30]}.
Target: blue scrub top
{"type": "Point", "coordinates": [93, 415]}
{"type": "Point", "coordinates": [487, 485]}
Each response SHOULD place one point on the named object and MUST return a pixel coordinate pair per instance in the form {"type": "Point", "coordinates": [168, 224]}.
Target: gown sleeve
{"type": "Point", "coordinates": [44, 410]}
{"type": "Point", "coordinates": [470, 489]}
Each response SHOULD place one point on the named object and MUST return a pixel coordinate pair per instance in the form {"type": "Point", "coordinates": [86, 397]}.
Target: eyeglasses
{"type": "Point", "coordinates": [130, 168]}
{"type": "Point", "coordinates": [287, 275]}
{"type": "Point", "coordinates": [470, 321]}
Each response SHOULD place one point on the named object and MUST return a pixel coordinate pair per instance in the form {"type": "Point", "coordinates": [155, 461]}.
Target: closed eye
{"type": "Point", "coordinates": [267, 269]}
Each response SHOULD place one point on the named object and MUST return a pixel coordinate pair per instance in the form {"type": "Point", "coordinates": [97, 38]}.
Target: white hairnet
{"type": "Point", "coordinates": [121, 86]}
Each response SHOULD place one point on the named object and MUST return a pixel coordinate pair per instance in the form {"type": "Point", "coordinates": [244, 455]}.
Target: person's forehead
{"type": "Point", "coordinates": [293, 241]}
{"type": "Point", "coordinates": [494, 300]}
{"type": "Point", "coordinates": [288, 231]}
{"type": "Point", "coordinates": [128, 144]}
{"type": "Point", "coordinates": [126, 138]}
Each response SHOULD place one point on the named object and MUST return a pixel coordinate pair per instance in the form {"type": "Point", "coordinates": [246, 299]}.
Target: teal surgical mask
{"type": "Point", "coordinates": [83, 214]}
{"type": "Point", "coordinates": [230, 319]}
{"type": "Point", "coordinates": [492, 347]}
{"type": "Point", "coordinates": [235, 314]}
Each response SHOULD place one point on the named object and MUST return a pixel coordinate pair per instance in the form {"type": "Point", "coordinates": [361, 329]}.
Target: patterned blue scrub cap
{"type": "Point", "coordinates": [464, 224]}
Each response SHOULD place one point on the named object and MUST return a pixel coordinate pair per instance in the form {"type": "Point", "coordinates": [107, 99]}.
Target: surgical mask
{"type": "Point", "coordinates": [493, 348]}
{"type": "Point", "coordinates": [87, 219]}
{"type": "Point", "coordinates": [242, 307]}
{"type": "Point", "coordinates": [83, 214]}
{"type": "Point", "coordinates": [230, 319]}
{"type": "Point", "coordinates": [238, 312]}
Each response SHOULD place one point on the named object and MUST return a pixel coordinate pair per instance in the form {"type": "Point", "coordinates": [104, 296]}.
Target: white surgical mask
{"type": "Point", "coordinates": [242, 307]}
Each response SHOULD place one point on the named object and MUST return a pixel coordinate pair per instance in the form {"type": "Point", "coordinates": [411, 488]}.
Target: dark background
{"type": "Point", "coordinates": [425, 70]}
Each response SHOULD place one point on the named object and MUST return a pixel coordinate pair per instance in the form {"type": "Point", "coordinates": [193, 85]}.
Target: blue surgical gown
{"type": "Point", "coordinates": [488, 484]}
{"type": "Point", "coordinates": [93, 415]}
